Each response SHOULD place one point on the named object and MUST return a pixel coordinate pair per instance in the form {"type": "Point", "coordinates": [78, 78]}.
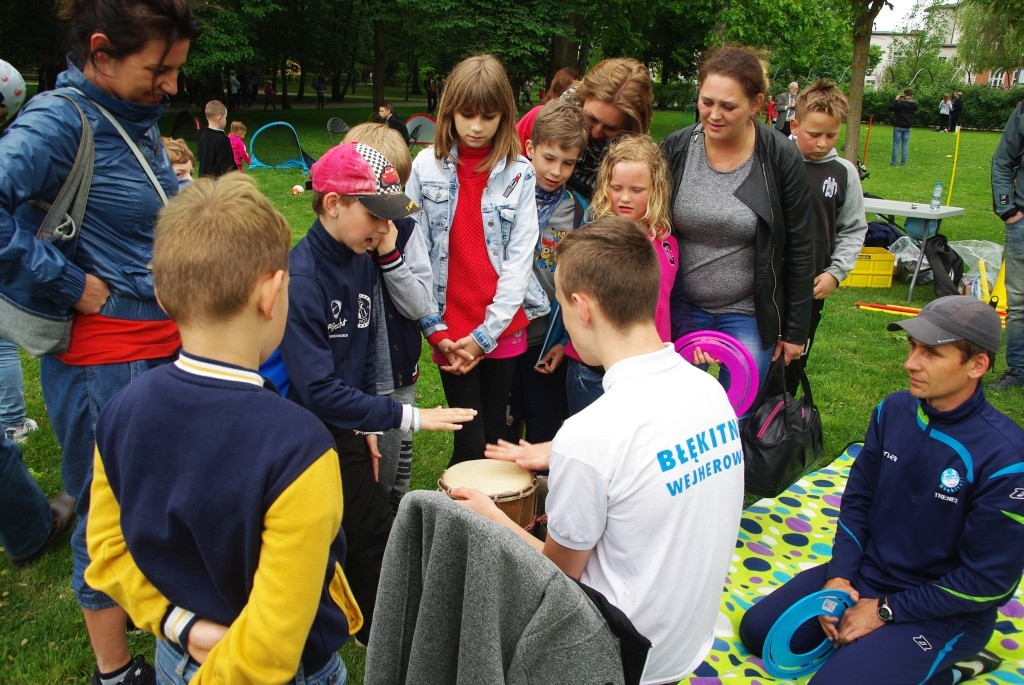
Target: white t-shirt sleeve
{"type": "Point", "coordinates": [577, 503]}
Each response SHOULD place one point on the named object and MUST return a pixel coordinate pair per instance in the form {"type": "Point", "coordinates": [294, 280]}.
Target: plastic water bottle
{"type": "Point", "coordinates": [937, 196]}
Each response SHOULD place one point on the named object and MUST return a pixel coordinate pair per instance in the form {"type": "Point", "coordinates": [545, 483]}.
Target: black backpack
{"type": "Point", "coordinates": [881, 234]}
{"type": "Point", "coordinates": [947, 266]}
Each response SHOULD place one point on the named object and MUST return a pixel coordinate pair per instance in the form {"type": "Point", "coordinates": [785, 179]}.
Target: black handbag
{"type": "Point", "coordinates": [782, 440]}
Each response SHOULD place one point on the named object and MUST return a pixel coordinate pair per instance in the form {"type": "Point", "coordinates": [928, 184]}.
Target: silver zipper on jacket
{"type": "Point", "coordinates": [771, 254]}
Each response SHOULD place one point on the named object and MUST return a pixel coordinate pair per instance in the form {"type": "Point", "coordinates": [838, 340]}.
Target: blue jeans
{"type": "Point", "coordinates": [24, 512]}
{"type": "Point", "coordinates": [900, 141]}
{"type": "Point", "coordinates": [743, 327]}
{"type": "Point", "coordinates": [1014, 256]}
{"type": "Point", "coordinates": [537, 399]}
{"type": "Point", "coordinates": [74, 397]}
{"type": "Point", "coordinates": [583, 385]}
{"type": "Point", "coordinates": [12, 386]}
{"type": "Point", "coordinates": [176, 668]}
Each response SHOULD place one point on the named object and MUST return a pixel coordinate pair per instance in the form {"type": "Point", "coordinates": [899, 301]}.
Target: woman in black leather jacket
{"type": "Point", "coordinates": [741, 209]}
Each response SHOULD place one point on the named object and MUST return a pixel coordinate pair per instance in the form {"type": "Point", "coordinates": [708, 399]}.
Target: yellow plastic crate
{"type": "Point", "coordinates": [874, 269]}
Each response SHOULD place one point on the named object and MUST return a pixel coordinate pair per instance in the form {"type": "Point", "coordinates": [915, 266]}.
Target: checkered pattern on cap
{"type": "Point", "coordinates": [384, 172]}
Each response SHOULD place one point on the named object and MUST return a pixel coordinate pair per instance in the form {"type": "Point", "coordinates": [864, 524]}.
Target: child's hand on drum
{"type": "Point", "coordinates": [477, 501]}
{"type": "Point", "coordinates": [445, 418]}
{"type": "Point", "coordinates": [525, 455]}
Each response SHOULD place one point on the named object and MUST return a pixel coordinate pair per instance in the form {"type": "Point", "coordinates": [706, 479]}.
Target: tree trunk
{"type": "Point", "coordinates": [285, 104]}
{"type": "Point", "coordinates": [379, 63]}
{"type": "Point", "coordinates": [414, 74]}
{"type": "Point", "coordinates": [336, 94]}
{"type": "Point", "coordinates": [866, 11]}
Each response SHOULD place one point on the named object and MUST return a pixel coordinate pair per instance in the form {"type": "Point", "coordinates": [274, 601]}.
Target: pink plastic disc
{"type": "Point", "coordinates": [734, 356]}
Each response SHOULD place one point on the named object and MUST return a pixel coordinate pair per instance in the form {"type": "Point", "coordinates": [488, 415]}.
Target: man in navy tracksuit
{"type": "Point", "coordinates": [930, 537]}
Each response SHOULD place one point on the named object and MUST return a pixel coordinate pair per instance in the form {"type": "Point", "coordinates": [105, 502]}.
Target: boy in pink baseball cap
{"type": "Point", "coordinates": [329, 345]}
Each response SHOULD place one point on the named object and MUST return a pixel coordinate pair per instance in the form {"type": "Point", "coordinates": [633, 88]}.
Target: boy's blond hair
{"type": "Point", "coordinates": [238, 128]}
{"type": "Point", "coordinates": [214, 108]}
{"type": "Point", "coordinates": [213, 243]}
{"type": "Point", "coordinates": [178, 151]}
{"type": "Point", "coordinates": [642, 149]}
{"type": "Point", "coordinates": [386, 141]}
{"type": "Point", "coordinates": [626, 296]}
{"type": "Point", "coordinates": [823, 96]}
{"type": "Point", "coordinates": [478, 85]}
{"type": "Point", "coordinates": [563, 124]}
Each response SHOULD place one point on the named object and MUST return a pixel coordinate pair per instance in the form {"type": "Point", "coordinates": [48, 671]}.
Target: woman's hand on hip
{"type": "Point", "coordinates": [94, 296]}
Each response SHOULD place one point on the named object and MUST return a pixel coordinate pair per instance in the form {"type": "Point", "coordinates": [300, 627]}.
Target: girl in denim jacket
{"type": "Point", "coordinates": [479, 221]}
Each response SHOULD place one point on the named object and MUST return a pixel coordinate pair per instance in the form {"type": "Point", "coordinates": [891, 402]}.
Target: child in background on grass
{"type": "Point", "coordinates": [633, 182]}
{"type": "Point", "coordinates": [837, 199]}
{"type": "Point", "coordinates": [182, 160]}
{"type": "Point", "coordinates": [237, 137]}
{"type": "Point", "coordinates": [479, 219]}
{"type": "Point", "coordinates": [558, 138]}
{"type": "Point", "coordinates": [243, 584]}
{"type": "Point", "coordinates": [330, 344]}
{"type": "Point", "coordinates": [401, 300]}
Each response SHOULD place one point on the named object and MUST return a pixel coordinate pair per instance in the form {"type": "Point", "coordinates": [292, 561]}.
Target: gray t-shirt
{"type": "Point", "coordinates": [716, 235]}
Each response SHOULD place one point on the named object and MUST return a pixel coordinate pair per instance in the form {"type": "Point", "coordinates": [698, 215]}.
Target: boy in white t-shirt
{"type": "Point", "coordinates": [646, 484]}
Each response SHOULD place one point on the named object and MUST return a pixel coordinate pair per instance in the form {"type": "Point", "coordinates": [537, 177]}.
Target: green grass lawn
{"type": "Point", "coordinates": [855, 363]}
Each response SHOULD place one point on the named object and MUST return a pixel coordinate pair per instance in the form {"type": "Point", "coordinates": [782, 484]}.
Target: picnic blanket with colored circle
{"type": "Point", "coordinates": [782, 536]}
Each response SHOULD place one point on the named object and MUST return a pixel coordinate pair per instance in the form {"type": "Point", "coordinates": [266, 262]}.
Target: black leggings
{"type": "Point", "coordinates": [367, 523]}
{"type": "Point", "coordinates": [485, 389]}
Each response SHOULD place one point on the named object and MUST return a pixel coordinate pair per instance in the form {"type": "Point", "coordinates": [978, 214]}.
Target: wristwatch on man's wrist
{"type": "Point", "coordinates": [884, 612]}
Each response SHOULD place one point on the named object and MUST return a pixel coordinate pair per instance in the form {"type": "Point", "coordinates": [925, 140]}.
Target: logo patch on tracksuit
{"type": "Point", "coordinates": [830, 187]}
{"type": "Point", "coordinates": [950, 481]}
{"type": "Point", "coordinates": [922, 642]}
{"type": "Point", "coordinates": [364, 311]}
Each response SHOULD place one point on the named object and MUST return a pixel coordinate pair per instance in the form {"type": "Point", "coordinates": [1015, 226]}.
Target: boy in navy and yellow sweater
{"type": "Point", "coordinates": [329, 345]}
{"type": "Point", "coordinates": [217, 504]}
{"type": "Point", "coordinates": [538, 398]}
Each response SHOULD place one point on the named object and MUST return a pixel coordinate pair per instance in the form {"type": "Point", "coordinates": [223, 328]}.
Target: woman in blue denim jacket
{"type": "Point", "coordinates": [481, 248]}
{"type": "Point", "coordinates": [125, 59]}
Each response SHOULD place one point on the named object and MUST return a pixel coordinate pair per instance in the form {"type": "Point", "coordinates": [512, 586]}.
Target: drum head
{"type": "Point", "coordinates": [734, 356]}
{"type": "Point", "coordinates": [494, 478]}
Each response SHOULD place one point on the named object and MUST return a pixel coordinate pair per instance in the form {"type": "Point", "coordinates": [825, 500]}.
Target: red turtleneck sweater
{"type": "Point", "coordinates": [472, 280]}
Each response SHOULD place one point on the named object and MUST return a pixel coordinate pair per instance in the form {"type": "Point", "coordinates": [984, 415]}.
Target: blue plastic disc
{"type": "Point", "coordinates": [779, 659]}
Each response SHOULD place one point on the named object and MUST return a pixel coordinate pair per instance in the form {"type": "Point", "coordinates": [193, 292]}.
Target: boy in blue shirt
{"type": "Point", "coordinates": [538, 397]}
{"type": "Point", "coordinates": [216, 504]}
{"type": "Point", "coordinates": [329, 344]}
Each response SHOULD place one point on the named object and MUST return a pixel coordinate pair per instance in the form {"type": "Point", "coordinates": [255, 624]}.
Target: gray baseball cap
{"type": "Point", "coordinates": [953, 318]}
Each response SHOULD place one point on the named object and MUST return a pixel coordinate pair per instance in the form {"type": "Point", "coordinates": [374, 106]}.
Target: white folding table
{"type": "Point", "coordinates": [922, 223]}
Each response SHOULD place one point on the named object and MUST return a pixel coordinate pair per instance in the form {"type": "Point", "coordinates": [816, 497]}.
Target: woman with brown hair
{"type": "Point", "coordinates": [616, 96]}
{"type": "Point", "coordinates": [123, 66]}
{"type": "Point", "coordinates": [741, 210]}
